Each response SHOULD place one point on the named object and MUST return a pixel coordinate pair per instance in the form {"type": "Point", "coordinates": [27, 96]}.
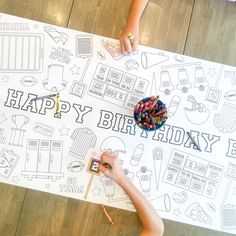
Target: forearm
{"type": "Point", "coordinates": [137, 11]}
{"type": "Point", "coordinates": [148, 216]}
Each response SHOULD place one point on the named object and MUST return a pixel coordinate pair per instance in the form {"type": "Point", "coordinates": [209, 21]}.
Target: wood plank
{"type": "Point", "coordinates": [11, 201]}
{"type": "Point", "coordinates": [47, 214]}
{"type": "Point", "coordinates": [164, 23]}
{"type": "Point", "coordinates": [49, 11]}
{"type": "Point", "coordinates": [212, 33]}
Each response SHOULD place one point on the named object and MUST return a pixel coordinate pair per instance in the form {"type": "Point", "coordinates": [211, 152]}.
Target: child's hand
{"type": "Point", "coordinates": [127, 45]}
{"type": "Point", "coordinates": [110, 167]}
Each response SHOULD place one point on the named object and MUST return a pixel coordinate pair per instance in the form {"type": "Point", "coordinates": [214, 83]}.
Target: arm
{"type": "Point", "coordinates": [152, 223]}
{"type": "Point", "coordinates": [132, 26]}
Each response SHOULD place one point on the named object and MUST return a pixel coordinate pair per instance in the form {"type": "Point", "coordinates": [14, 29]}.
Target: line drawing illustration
{"type": "Point", "coordinates": [198, 113]}
{"type": "Point", "coordinates": [232, 76]}
{"type": "Point", "coordinates": [149, 60]}
{"type": "Point", "coordinates": [56, 36]}
{"type": "Point", "coordinates": [225, 121]}
{"type": "Point", "coordinates": [17, 133]}
{"type": "Point", "coordinates": [200, 79]}
{"type": "Point", "coordinates": [213, 94]}
{"type": "Point", "coordinates": [64, 131]}
{"type": "Point", "coordinates": [28, 81]}
{"type": "Point", "coordinates": [144, 176]}
{"type": "Point", "coordinates": [75, 70]}
{"type": "Point", "coordinates": [212, 72]}
{"type": "Point", "coordinates": [43, 159]}
{"type": "Point", "coordinates": [153, 89]}
{"type": "Point", "coordinates": [28, 51]}
{"type": "Point", "coordinates": [162, 203]}
{"type": "Point", "coordinates": [71, 186]}
{"type": "Point", "coordinates": [196, 213]}
{"type": "Point", "coordinates": [114, 145]}
{"type": "Point", "coordinates": [108, 186]}
{"type": "Point", "coordinates": [8, 161]}
{"type": "Point", "coordinates": [157, 155]}
{"type": "Point", "coordinates": [2, 137]}
{"type": "Point", "coordinates": [177, 212]}
{"type": "Point", "coordinates": [131, 65]}
{"type": "Point", "coordinates": [4, 79]}
{"type": "Point", "coordinates": [180, 197]}
{"type": "Point", "coordinates": [61, 55]}
{"type": "Point", "coordinates": [2, 118]}
{"type": "Point", "coordinates": [75, 166]}
{"type": "Point", "coordinates": [137, 155]}
{"type": "Point", "coordinates": [84, 45]}
{"type": "Point", "coordinates": [230, 95]}
{"type": "Point", "coordinates": [101, 55]}
{"type": "Point", "coordinates": [43, 129]}
{"type": "Point", "coordinates": [113, 48]}
{"type": "Point", "coordinates": [173, 106]}
{"type": "Point", "coordinates": [211, 206]}
{"type": "Point", "coordinates": [179, 58]}
{"type": "Point", "coordinates": [193, 174]}
{"type": "Point", "coordinates": [166, 85]}
{"type": "Point", "coordinates": [228, 207]}
{"type": "Point", "coordinates": [78, 87]}
{"type": "Point", "coordinates": [96, 191]}
{"type": "Point", "coordinates": [83, 140]}
{"type": "Point", "coordinates": [117, 87]}
{"type": "Point", "coordinates": [14, 26]}
{"type": "Point", "coordinates": [55, 81]}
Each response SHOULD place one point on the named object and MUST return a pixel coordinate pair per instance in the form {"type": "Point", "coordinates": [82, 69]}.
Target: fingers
{"type": "Point", "coordinates": [108, 158]}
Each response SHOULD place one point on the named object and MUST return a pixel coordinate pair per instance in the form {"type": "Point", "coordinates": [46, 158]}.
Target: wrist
{"type": "Point", "coordinates": [122, 180]}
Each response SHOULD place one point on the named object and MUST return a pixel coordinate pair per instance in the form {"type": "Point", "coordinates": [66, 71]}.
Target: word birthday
{"type": "Point", "coordinates": [118, 122]}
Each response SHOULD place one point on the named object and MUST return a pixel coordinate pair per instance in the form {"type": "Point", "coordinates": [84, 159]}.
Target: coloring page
{"type": "Point", "coordinates": [52, 144]}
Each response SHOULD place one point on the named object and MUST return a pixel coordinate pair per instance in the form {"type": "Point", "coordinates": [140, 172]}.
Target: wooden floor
{"type": "Point", "coordinates": [199, 28]}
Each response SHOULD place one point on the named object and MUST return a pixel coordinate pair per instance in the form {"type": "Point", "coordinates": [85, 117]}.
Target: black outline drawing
{"type": "Point", "coordinates": [64, 131]}
{"type": "Point", "coordinates": [213, 94]}
{"type": "Point", "coordinates": [28, 81]}
{"type": "Point", "coordinates": [108, 186]}
{"type": "Point", "coordinates": [2, 118]}
{"type": "Point", "coordinates": [157, 155]}
{"type": "Point", "coordinates": [96, 191]}
{"type": "Point", "coordinates": [230, 95]}
{"type": "Point", "coordinates": [137, 155]}
{"type": "Point", "coordinates": [228, 207]}
{"type": "Point", "coordinates": [162, 203]}
{"type": "Point", "coordinates": [193, 174]}
{"type": "Point", "coordinates": [144, 176]}
{"type": "Point", "coordinates": [55, 81]}
{"type": "Point", "coordinates": [117, 87]}
{"type": "Point", "coordinates": [83, 140]}
{"type": "Point", "coordinates": [113, 144]}
{"type": "Point", "coordinates": [78, 88]}
{"type": "Point", "coordinates": [101, 55]}
{"type": "Point", "coordinates": [2, 138]}
{"type": "Point", "coordinates": [55, 34]}
{"type": "Point", "coordinates": [173, 106]}
{"type": "Point", "coordinates": [225, 121]}
{"type": "Point", "coordinates": [84, 45]}
{"type": "Point", "coordinates": [43, 129]}
{"type": "Point", "coordinates": [4, 79]}
{"type": "Point", "coordinates": [75, 166]}
{"type": "Point", "coordinates": [131, 65]}
{"type": "Point", "coordinates": [113, 48]}
{"type": "Point", "coordinates": [17, 133]}
{"type": "Point", "coordinates": [149, 60]}
{"type": "Point", "coordinates": [180, 197]}
{"type": "Point", "coordinates": [43, 159]}
{"type": "Point", "coordinates": [196, 213]}
{"type": "Point", "coordinates": [198, 113]}
{"type": "Point", "coordinates": [75, 70]}
{"type": "Point", "coordinates": [8, 161]}
{"type": "Point", "coordinates": [28, 51]}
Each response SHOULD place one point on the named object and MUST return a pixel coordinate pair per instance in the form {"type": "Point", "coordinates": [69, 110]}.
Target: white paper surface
{"type": "Point", "coordinates": [98, 90]}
